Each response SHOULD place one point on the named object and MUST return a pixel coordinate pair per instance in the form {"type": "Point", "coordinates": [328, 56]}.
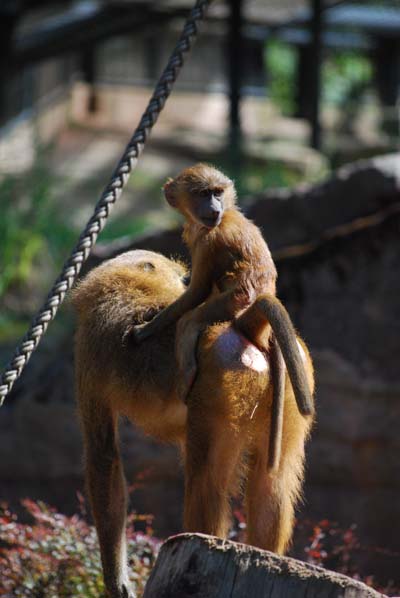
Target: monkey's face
{"type": "Point", "coordinates": [201, 193]}
{"type": "Point", "coordinates": [206, 206]}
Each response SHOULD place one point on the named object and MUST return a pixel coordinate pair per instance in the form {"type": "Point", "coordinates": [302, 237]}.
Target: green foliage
{"type": "Point", "coordinates": [57, 555]}
{"type": "Point", "coordinates": [345, 76]}
{"type": "Point", "coordinates": [37, 234]}
{"type": "Point", "coordinates": [34, 228]}
{"type": "Point", "coordinates": [281, 62]}
{"type": "Point", "coordinates": [30, 227]}
{"type": "Point", "coordinates": [255, 178]}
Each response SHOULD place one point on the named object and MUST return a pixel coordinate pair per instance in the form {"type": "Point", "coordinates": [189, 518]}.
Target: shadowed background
{"type": "Point", "coordinates": [286, 97]}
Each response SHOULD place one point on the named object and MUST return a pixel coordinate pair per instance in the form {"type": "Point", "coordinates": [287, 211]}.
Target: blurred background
{"type": "Point", "coordinates": [298, 101]}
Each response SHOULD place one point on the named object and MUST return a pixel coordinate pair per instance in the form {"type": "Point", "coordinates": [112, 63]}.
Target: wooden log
{"type": "Point", "coordinates": [200, 566]}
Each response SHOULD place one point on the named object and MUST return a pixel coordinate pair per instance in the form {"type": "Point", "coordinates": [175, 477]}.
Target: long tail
{"type": "Point", "coordinates": [267, 309]}
{"type": "Point", "coordinates": [278, 400]}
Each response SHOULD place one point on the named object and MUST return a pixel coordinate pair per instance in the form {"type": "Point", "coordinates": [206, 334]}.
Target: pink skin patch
{"type": "Point", "coordinates": [236, 352]}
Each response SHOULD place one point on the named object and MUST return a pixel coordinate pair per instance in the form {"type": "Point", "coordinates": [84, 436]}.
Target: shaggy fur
{"type": "Point", "coordinates": [223, 432]}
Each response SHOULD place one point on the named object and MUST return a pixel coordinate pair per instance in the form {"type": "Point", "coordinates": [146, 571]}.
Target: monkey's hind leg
{"type": "Point", "coordinates": [269, 506]}
{"type": "Point", "coordinates": [212, 466]}
{"type": "Point", "coordinates": [271, 496]}
{"type": "Point", "coordinates": [107, 494]}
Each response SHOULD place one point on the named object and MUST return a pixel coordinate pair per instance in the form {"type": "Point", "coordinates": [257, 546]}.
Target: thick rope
{"type": "Point", "coordinates": [102, 210]}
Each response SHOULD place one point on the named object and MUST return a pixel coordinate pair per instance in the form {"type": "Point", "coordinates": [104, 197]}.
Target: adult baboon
{"type": "Point", "coordinates": [223, 430]}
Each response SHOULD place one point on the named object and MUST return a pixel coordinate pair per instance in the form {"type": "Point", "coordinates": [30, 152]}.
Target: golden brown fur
{"type": "Point", "coordinates": [223, 432]}
{"type": "Point", "coordinates": [231, 267]}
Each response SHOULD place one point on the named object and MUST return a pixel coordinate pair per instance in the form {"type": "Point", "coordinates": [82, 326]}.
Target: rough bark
{"type": "Point", "coordinates": [200, 566]}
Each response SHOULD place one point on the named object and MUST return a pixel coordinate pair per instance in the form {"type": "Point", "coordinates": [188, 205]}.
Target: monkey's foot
{"type": "Point", "coordinates": [140, 332]}
{"type": "Point", "coordinates": [127, 592]}
{"type": "Point", "coordinates": [124, 591]}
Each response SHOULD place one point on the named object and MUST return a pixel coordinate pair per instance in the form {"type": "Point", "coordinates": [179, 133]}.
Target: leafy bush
{"type": "Point", "coordinates": [30, 226]}
{"type": "Point", "coordinates": [58, 556]}
{"type": "Point", "coordinates": [281, 63]}
{"type": "Point", "coordinates": [37, 233]}
{"type": "Point", "coordinates": [339, 549]}
{"type": "Point", "coordinates": [326, 544]}
{"type": "Point", "coordinates": [346, 75]}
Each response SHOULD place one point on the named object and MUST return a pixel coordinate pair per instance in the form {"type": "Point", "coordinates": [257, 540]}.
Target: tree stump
{"type": "Point", "coordinates": [200, 566]}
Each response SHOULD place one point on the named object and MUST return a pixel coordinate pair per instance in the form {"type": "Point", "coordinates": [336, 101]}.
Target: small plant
{"type": "Point", "coordinates": [56, 555]}
{"type": "Point", "coordinates": [326, 544]}
{"type": "Point", "coordinates": [339, 549]}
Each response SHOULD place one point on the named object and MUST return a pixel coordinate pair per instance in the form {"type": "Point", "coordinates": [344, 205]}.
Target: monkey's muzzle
{"type": "Point", "coordinates": [212, 220]}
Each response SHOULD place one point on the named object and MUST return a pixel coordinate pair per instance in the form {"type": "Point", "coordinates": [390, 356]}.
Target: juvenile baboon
{"type": "Point", "coordinates": [231, 267]}
{"type": "Point", "coordinates": [223, 431]}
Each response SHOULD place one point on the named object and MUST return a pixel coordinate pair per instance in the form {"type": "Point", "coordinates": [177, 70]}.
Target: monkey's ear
{"type": "Point", "coordinates": [168, 189]}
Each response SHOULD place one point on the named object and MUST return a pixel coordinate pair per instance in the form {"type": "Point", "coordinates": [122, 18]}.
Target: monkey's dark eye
{"type": "Point", "coordinates": [186, 279]}
{"type": "Point", "coordinates": [204, 192]}
{"type": "Point", "coordinates": [147, 266]}
{"type": "Point", "coordinates": [218, 192]}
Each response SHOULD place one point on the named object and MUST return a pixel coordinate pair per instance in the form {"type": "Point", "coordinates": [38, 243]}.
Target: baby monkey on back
{"type": "Point", "coordinates": [231, 268]}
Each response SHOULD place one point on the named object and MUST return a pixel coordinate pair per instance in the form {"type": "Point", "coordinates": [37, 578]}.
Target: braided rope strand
{"type": "Point", "coordinates": [103, 207]}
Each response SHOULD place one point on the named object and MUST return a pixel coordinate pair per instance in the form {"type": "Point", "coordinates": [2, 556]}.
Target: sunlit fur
{"type": "Point", "coordinates": [197, 178]}
{"type": "Point", "coordinates": [231, 267]}
{"type": "Point", "coordinates": [223, 433]}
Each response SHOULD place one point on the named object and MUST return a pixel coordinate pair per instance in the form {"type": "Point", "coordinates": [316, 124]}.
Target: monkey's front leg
{"type": "Point", "coordinates": [192, 297]}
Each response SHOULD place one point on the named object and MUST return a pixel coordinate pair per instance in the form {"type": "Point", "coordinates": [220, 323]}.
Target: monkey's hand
{"type": "Point", "coordinates": [168, 315]}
